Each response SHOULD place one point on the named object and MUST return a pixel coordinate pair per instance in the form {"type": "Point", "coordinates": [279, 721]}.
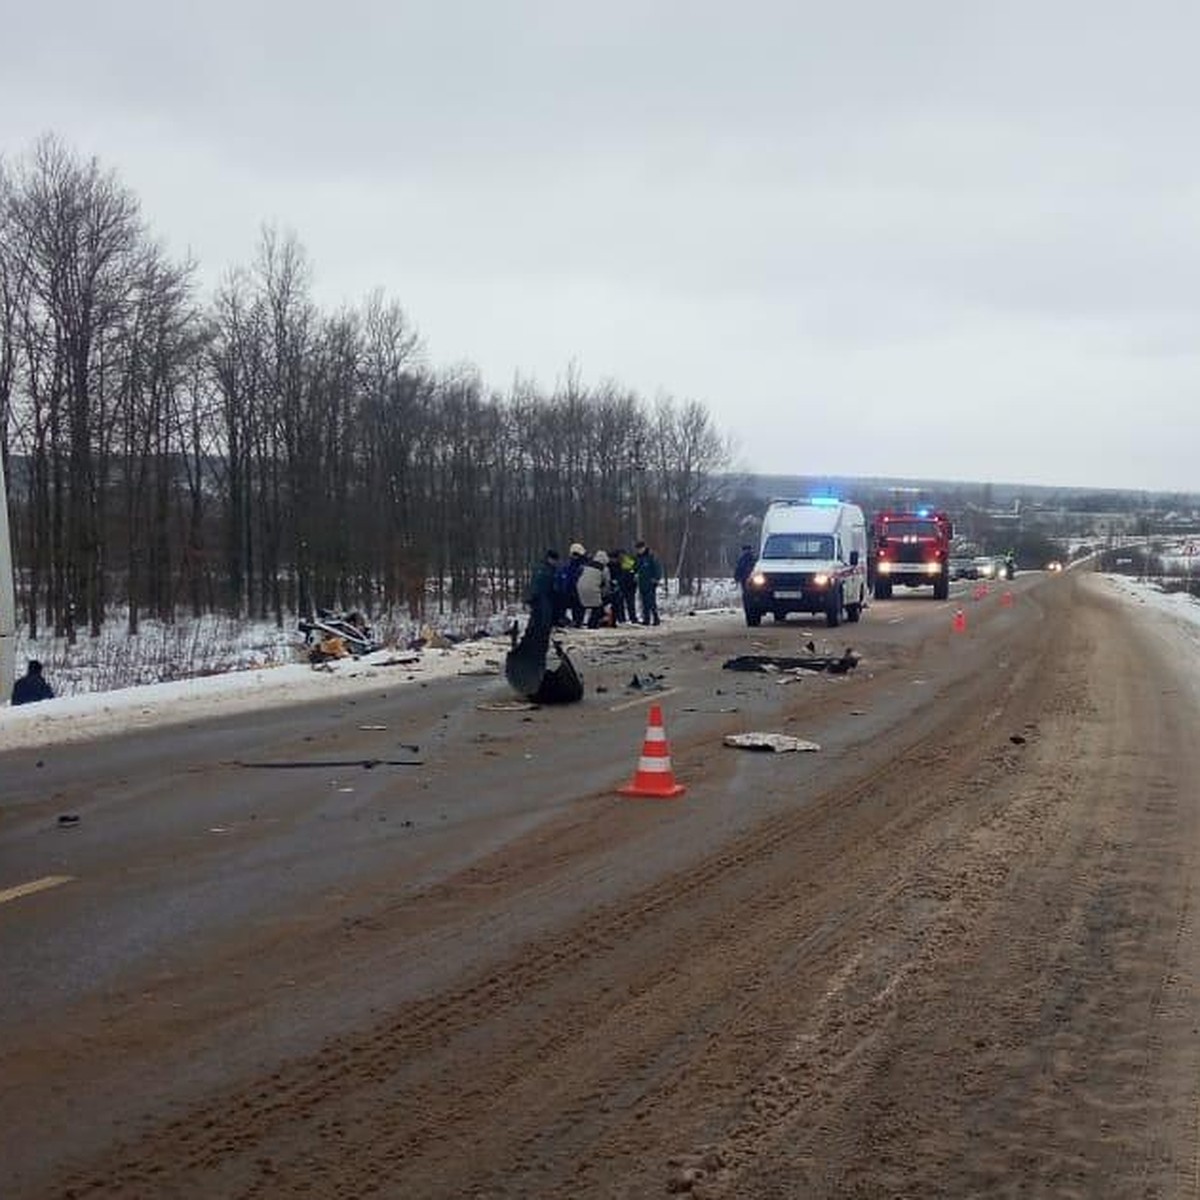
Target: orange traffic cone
{"type": "Point", "coordinates": [654, 776]}
{"type": "Point", "coordinates": [960, 621]}
{"type": "Point", "coordinates": [1007, 599]}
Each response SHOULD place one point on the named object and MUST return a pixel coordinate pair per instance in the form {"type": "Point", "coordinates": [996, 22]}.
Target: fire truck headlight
{"type": "Point", "coordinates": [885, 567]}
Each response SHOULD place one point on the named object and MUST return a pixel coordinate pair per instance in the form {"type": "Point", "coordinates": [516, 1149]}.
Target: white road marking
{"type": "Point", "coordinates": [649, 698]}
{"type": "Point", "coordinates": [37, 885]}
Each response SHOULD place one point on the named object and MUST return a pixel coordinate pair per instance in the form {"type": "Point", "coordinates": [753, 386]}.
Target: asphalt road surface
{"type": "Point", "coordinates": [954, 952]}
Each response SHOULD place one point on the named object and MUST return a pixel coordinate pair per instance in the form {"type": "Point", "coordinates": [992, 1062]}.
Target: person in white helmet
{"type": "Point", "coordinates": [593, 587]}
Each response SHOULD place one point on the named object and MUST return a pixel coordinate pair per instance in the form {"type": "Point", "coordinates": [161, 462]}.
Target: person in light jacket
{"type": "Point", "coordinates": [593, 586]}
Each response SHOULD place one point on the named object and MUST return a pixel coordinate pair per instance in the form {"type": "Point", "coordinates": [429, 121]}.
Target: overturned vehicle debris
{"type": "Point", "coordinates": [526, 671]}
{"type": "Point", "coordinates": [337, 635]}
{"type": "Point", "coordinates": [767, 663]}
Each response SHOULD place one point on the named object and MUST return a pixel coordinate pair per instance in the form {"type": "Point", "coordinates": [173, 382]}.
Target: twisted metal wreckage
{"type": "Point", "coordinates": [526, 671]}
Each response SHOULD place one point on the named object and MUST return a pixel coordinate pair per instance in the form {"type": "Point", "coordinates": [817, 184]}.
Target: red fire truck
{"type": "Point", "coordinates": [911, 549]}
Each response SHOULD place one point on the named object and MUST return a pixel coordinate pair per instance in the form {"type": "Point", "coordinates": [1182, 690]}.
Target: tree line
{"type": "Point", "coordinates": [248, 453]}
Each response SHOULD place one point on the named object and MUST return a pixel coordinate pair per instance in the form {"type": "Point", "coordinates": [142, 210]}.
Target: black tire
{"type": "Point", "coordinates": [883, 588]}
{"type": "Point", "coordinates": [833, 614]}
{"type": "Point", "coordinates": [941, 587]}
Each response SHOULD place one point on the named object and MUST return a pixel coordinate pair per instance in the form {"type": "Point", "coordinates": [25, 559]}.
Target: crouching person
{"type": "Point", "coordinates": [593, 587]}
{"type": "Point", "coordinates": [32, 685]}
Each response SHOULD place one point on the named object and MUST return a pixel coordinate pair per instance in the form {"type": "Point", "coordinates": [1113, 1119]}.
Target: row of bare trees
{"type": "Point", "coordinates": [250, 453]}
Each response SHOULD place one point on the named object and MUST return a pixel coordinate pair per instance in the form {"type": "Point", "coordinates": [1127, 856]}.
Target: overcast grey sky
{"type": "Point", "coordinates": [896, 238]}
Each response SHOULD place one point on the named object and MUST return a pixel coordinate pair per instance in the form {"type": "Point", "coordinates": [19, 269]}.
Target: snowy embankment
{"type": "Point", "coordinates": [244, 683]}
{"type": "Point", "coordinates": [96, 714]}
{"type": "Point", "coordinates": [1182, 609]}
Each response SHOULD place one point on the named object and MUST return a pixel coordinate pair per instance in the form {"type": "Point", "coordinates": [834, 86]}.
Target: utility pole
{"type": "Point", "coordinates": [8, 598]}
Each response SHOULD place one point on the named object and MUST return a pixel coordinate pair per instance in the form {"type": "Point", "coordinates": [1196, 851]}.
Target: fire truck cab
{"type": "Point", "coordinates": [911, 549]}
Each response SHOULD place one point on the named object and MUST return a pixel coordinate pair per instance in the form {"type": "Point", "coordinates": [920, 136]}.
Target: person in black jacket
{"type": "Point", "coordinates": [540, 595]}
{"type": "Point", "coordinates": [745, 564]}
{"type": "Point", "coordinates": [32, 685]}
{"type": "Point", "coordinates": [649, 576]}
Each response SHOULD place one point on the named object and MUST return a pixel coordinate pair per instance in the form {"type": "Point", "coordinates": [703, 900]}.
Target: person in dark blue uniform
{"type": "Point", "coordinates": [745, 564]}
{"type": "Point", "coordinates": [32, 685]}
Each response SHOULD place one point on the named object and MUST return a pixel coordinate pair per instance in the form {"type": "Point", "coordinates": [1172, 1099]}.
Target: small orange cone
{"type": "Point", "coordinates": [654, 776]}
{"type": "Point", "coordinates": [960, 621]}
{"type": "Point", "coordinates": [1007, 599]}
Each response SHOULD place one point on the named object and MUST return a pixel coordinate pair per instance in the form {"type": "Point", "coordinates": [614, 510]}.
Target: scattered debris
{"type": "Point", "coordinates": [777, 743]}
{"type": "Point", "coordinates": [767, 663]}
{"type": "Point", "coordinates": [331, 635]}
{"type": "Point", "coordinates": [561, 685]}
{"type": "Point", "coordinates": [430, 639]}
{"type": "Point", "coordinates": [367, 764]}
{"type": "Point", "coordinates": [373, 728]}
{"type": "Point", "coordinates": [1016, 739]}
{"type": "Point", "coordinates": [648, 682]}
{"type": "Point", "coordinates": [69, 819]}
{"type": "Point", "coordinates": [506, 706]}
{"type": "Point", "coordinates": [526, 671]}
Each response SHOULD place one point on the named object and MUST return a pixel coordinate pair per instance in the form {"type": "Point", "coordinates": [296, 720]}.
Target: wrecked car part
{"type": "Point", "coordinates": [526, 671]}
{"type": "Point", "coordinates": [776, 743]}
{"type": "Point", "coordinates": [767, 663]}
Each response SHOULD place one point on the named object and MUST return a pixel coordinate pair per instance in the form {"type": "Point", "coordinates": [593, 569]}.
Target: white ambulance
{"type": "Point", "coordinates": [812, 559]}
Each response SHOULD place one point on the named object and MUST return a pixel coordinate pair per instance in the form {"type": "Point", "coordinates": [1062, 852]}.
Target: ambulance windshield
{"type": "Point", "coordinates": [799, 545]}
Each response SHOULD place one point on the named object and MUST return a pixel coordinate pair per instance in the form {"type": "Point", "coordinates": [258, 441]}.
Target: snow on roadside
{"type": "Point", "coordinates": [97, 714]}
{"type": "Point", "coordinates": [1182, 608]}
{"type": "Point", "coordinates": [77, 718]}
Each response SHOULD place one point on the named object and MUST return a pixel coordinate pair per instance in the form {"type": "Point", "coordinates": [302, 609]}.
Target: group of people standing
{"type": "Point", "coordinates": [601, 587]}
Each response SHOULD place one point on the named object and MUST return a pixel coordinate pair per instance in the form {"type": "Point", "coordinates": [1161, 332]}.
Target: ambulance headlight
{"type": "Point", "coordinates": [820, 580]}
{"type": "Point", "coordinates": [758, 579]}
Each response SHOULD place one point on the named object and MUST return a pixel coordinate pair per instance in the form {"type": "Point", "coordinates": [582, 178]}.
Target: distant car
{"type": "Point", "coordinates": [1054, 565]}
{"type": "Point", "coordinates": [963, 568]}
{"type": "Point", "coordinates": [987, 567]}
